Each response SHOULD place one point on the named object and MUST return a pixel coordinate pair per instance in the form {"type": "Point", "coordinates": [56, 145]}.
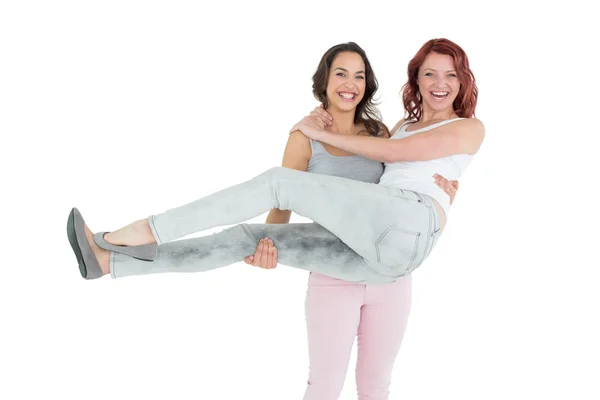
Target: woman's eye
{"type": "Point", "coordinates": [360, 77]}
{"type": "Point", "coordinates": [428, 74]}
{"type": "Point", "coordinates": [340, 74]}
{"type": "Point", "coordinates": [452, 75]}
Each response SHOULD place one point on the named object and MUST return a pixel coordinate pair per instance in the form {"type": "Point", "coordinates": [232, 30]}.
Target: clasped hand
{"type": "Point", "coordinates": [313, 125]}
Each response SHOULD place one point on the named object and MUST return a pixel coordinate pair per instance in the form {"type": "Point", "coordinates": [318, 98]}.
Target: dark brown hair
{"type": "Point", "coordinates": [366, 111]}
{"type": "Point", "coordinates": [466, 100]}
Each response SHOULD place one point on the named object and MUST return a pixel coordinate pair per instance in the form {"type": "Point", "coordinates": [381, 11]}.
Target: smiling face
{"type": "Point", "coordinates": [438, 83]}
{"type": "Point", "coordinates": [346, 82]}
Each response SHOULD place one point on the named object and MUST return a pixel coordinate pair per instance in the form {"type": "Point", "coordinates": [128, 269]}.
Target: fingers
{"type": "Point", "coordinates": [451, 190]}
{"type": "Point", "coordinates": [275, 259]}
{"type": "Point", "coordinates": [256, 259]}
{"type": "Point", "coordinates": [265, 255]}
{"type": "Point", "coordinates": [324, 116]}
{"type": "Point", "coordinates": [447, 186]}
{"type": "Point", "coordinates": [439, 180]}
{"type": "Point", "coordinates": [309, 124]}
{"type": "Point", "coordinates": [318, 118]}
{"type": "Point", "coordinates": [314, 121]}
{"type": "Point", "coordinates": [320, 123]}
{"type": "Point", "coordinates": [272, 255]}
{"type": "Point", "coordinates": [271, 263]}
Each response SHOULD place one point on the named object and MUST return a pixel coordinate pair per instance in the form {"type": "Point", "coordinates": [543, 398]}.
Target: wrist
{"type": "Point", "coordinates": [320, 134]}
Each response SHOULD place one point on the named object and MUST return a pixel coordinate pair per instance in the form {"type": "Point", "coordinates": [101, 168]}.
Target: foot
{"type": "Point", "coordinates": [135, 234]}
{"type": "Point", "coordinates": [103, 256]}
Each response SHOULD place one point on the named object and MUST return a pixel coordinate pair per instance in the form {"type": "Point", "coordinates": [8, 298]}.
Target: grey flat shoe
{"type": "Point", "coordinates": [143, 252]}
{"type": "Point", "coordinates": [88, 264]}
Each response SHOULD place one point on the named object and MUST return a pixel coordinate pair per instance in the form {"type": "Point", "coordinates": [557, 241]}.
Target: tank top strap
{"type": "Point", "coordinates": [405, 125]}
{"type": "Point", "coordinates": [316, 147]}
{"type": "Point", "coordinates": [430, 127]}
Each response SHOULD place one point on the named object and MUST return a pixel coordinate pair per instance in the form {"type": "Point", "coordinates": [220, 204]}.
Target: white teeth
{"type": "Point", "coordinates": [347, 95]}
{"type": "Point", "coordinates": [439, 93]}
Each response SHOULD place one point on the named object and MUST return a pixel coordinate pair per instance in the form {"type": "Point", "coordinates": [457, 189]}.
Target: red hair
{"type": "Point", "coordinates": [466, 100]}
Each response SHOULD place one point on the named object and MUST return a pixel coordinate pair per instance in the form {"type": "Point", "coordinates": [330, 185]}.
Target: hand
{"type": "Point", "coordinates": [265, 255]}
{"type": "Point", "coordinates": [450, 187]}
{"type": "Point", "coordinates": [311, 126]}
{"type": "Point", "coordinates": [319, 112]}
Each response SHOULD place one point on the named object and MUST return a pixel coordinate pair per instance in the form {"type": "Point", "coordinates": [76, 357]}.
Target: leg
{"type": "Point", "coordinates": [305, 246]}
{"type": "Point", "coordinates": [382, 325]}
{"type": "Point", "coordinates": [332, 316]}
{"type": "Point", "coordinates": [380, 224]}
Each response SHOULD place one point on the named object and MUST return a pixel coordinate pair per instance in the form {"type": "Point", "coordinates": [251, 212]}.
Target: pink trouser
{"type": "Point", "coordinates": [337, 311]}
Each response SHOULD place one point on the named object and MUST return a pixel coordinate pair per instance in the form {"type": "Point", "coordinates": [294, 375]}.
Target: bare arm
{"type": "Point", "coordinates": [464, 136]}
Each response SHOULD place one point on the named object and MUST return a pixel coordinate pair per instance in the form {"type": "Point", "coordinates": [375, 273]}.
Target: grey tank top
{"type": "Point", "coordinates": [351, 167]}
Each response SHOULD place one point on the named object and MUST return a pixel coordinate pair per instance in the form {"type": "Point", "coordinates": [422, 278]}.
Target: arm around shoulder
{"type": "Point", "coordinates": [460, 137]}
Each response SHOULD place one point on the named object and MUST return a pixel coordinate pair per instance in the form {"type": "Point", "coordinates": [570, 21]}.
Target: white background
{"type": "Point", "coordinates": [127, 108]}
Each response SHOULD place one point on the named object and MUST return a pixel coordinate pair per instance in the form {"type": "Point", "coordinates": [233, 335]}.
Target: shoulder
{"type": "Point", "coordinates": [299, 144]}
{"type": "Point", "coordinates": [471, 127]}
{"type": "Point", "coordinates": [470, 132]}
{"type": "Point", "coordinates": [298, 137]}
{"type": "Point", "coordinates": [472, 124]}
{"type": "Point", "coordinates": [463, 126]}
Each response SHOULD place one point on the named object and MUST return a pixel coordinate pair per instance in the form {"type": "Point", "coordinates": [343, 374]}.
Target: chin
{"type": "Point", "coordinates": [346, 106]}
{"type": "Point", "coordinates": [437, 107]}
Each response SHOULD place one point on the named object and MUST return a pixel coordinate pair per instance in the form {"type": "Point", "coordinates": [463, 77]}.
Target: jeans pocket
{"type": "Point", "coordinates": [397, 248]}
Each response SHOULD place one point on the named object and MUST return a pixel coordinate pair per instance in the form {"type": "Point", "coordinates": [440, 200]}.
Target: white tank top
{"type": "Point", "coordinates": [418, 175]}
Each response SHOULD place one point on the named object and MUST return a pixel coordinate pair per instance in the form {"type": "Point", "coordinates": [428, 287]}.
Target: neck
{"type": "Point", "coordinates": [431, 115]}
{"type": "Point", "coordinates": [343, 121]}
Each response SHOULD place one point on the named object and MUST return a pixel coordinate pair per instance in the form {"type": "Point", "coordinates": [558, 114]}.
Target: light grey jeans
{"type": "Point", "coordinates": [364, 232]}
